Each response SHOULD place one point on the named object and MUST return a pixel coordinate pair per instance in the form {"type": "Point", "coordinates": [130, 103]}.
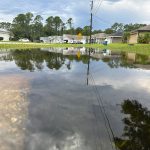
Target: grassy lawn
{"type": "Point", "coordinates": [138, 48]}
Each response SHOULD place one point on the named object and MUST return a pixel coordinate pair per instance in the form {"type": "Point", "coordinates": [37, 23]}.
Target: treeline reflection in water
{"type": "Point", "coordinates": [37, 59]}
{"type": "Point", "coordinates": [136, 134]}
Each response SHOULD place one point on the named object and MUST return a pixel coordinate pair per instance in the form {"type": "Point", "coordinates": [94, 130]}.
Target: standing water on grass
{"type": "Point", "coordinates": [74, 99]}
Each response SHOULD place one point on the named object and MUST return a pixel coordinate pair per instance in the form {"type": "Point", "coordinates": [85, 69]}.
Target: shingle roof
{"type": "Point", "coordinates": [117, 34]}
{"type": "Point", "coordinates": [100, 35]}
{"type": "Point", "coordinates": [145, 28]}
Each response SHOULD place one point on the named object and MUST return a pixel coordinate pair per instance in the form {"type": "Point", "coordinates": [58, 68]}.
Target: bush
{"type": "Point", "coordinates": [1, 38]}
{"type": "Point", "coordinates": [144, 39]}
{"type": "Point", "coordinates": [126, 36]}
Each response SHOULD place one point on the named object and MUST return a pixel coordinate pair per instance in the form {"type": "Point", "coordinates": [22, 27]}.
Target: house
{"type": "Point", "coordinates": [74, 38]}
{"type": "Point", "coordinates": [115, 37]}
{"type": "Point", "coordinates": [4, 35]}
{"type": "Point", "coordinates": [96, 38]}
{"type": "Point", "coordinates": [52, 39]}
{"type": "Point", "coordinates": [134, 35]}
{"type": "Point", "coordinates": [99, 38]}
{"type": "Point", "coordinates": [66, 38]}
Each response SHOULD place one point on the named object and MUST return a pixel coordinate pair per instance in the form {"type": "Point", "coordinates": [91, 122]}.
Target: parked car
{"type": "Point", "coordinates": [24, 40]}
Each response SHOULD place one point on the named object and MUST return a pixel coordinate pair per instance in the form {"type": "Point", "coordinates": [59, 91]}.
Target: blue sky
{"type": "Point", "coordinates": [110, 11]}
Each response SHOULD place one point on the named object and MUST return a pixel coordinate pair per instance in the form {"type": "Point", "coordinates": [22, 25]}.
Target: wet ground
{"type": "Point", "coordinates": [70, 99]}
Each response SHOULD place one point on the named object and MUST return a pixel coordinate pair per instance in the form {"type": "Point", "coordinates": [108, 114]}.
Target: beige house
{"type": "Point", "coordinates": [135, 34]}
{"type": "Point", "coordinates": [115, 37]}
{"type": "Point", "coordinates": [99, 37]}
{"type": "Point", "coordinates": [112, 38]}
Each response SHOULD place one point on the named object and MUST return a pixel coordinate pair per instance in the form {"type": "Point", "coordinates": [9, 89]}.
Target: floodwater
{"type": "Point", "coordinates": [74, 99]}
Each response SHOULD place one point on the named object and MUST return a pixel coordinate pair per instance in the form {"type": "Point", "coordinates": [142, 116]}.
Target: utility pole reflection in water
{"type": "Point", "coordinates": [88, 68]}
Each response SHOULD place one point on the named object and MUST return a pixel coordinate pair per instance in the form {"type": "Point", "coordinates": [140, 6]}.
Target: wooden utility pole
{"type": "Point", "coordinates": [91, 22]}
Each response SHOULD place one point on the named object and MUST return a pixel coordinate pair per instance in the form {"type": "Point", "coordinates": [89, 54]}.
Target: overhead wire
{"type": "Point", "coordinates": [100, 108]}
{"type": "Point", "coordinates": [97, 118]}
{"type": "Point", "coordinates": [98, 6]}
{"type": "Point", "coordinates": [102, 20]}
{"type": "Point", "coordinates": [103, 108]}
{"type": "Point", "coordinates": [107, 124]}
{"type": "Point", "coordinates": [103, 111]}
{"type": "Point", "coordinates": [96, 134]}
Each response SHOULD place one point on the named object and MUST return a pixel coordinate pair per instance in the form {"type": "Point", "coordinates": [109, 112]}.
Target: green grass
{"type": "Point", "coordinates": [138, 48]}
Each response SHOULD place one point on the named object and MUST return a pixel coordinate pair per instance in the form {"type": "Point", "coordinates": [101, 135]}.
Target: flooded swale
{"type": "Point", "coordinates": [74, 99]}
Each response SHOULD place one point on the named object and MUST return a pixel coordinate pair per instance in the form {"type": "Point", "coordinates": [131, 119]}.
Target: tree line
{"type": "Point", "coordinates": [33, 27]}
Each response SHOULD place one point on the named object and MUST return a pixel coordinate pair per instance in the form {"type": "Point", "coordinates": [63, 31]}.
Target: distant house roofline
{"type": "Point", "coordinates": [100, 35]}
{"type": "Point", "coordinates": [142, 29]}
{"type": "Point", "coordinates": [117, 34]}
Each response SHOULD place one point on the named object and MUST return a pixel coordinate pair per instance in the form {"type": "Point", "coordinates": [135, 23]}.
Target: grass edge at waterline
{"type": "Point", "coordinates": [138, 48]}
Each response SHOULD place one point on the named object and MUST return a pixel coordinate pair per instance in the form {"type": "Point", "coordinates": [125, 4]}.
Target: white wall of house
{"type": "Point", "coordinates": [74, 38]}
{"type": "Point", "coordinates": [83, 41]}
{"type": "Point", "coordinates": [114, 39]}
{"type": "Point", "coordinates": [56, 39]}
{"type": "Point", "coordinates": [4, 34]}
{"type": "Point", "coordinates": [52, 39]}
{"type": "Point", "coordinates": [45, 39]}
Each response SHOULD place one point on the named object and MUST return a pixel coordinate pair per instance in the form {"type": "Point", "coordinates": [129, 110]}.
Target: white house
{"type": "Point", "coordinates": [4, 35]}
{"type": "Point", "coordinates": [96, 38]}
{"type": "Point", "coordinates": [75, 39]}
{"type": "Point", "coordinates": [66, 38]}
{"type": "Point", "coordinates": [52, 39]}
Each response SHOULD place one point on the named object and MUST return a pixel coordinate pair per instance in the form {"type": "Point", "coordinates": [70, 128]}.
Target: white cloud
{"type": "Point", "coordinates": [136, 79]}
{"type": "Point", "coordinates": [126, 11]}
{"type": "Point", "coordinates": [111, 10]}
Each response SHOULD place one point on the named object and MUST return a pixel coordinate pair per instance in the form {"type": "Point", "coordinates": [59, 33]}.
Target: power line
{"type": "Point", "coordinates": [99, 5]}
{"type": "Point", "coordinates": [103, 20]}
{"type": "Point", "coordinates": [99, 144]}
{"type": "Point", "coordinates": [101, 107]}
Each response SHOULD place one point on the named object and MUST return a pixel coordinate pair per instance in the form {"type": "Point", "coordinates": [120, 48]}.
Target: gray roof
{"type": "Point", "coordinates": [145, 28]}
{"type": "Point", "coordinates": [71, 37]}
{"type": "Point", "coordinates": [117, 34]}
{"type": "Point", "coordinates": [100, 35]}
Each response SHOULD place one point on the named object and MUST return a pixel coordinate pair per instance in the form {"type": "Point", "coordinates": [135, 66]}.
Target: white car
{"type": "Point", "coordinates": [24, 40]}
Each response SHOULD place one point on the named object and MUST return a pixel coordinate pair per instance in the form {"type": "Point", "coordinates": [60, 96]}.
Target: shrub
{"type": "Point", "coordinates": [126, 36]}
{"type": "Point", "coordinates": [144, 39]}
{"type": "Point", "coordinates": [1, 38]}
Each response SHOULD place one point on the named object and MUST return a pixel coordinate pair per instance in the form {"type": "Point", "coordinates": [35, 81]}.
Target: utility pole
{"type": "Point", "coordinates": [91, 22]}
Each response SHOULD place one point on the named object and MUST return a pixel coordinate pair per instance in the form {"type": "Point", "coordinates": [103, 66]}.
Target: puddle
{"type": "Point", "coordinates": [50, 98]}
